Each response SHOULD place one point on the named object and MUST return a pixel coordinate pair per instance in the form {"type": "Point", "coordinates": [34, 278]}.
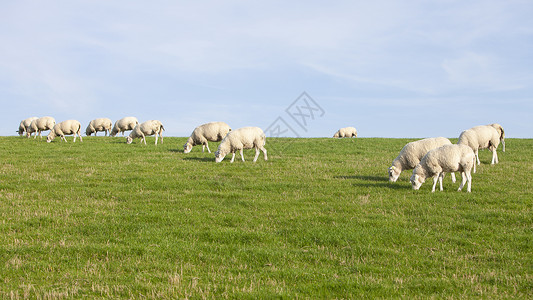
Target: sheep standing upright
{"type": "Point", "coordinates": [482, 137]}
{"type": "Point", "coordinates": [100, 124]}
{"type": "Point", "coordinates": [346, 132]}
{"type": "Point", "coordinates": [242, 138]}
{"type": "Point", "coordinates": [65, 128]}
{"type": "Point", "coordinates": [24, 124]}
{"type": "Point", "coordinates": [412, 153]}
{"type": "Point", "coordinates": [124, 124]}
{"type": "Point", "coordinates": [147, 128]}
{"type": "Point", "coordinates": [212, 132]}
{"type": "Point", "coordinates": [40, 125]}
{"type": "Point", "coordinates": [447, 158]}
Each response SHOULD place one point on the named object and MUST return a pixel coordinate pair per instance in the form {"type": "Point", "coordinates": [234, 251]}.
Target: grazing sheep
{"type": "Point", "coordinates": [40, 125]}
{"type": "Point", "coordinates": [124, 124]}
{"type": "Point", "coordinates": [213, 132]}
{"type": "Point", "coordinates": [482, 137]}
{"type": "Point", "coordinates": [345, 132]}
{"type": "Point", "coordinates": [146, 128]}
{"type": "Point", "coordinates": [447, 158]}
{"type": "Point", "coordinates": [242, 138]}
{"type": "Point", "coordinates": [100, 124]}
{"type": "Point", "coordinates": [65, 128]}
{"type": "Point", "coordinates": [24, 124]}
{"type": "Point", "coordinates": [412, 153]}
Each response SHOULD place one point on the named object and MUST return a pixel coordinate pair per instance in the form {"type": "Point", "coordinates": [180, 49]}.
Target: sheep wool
{"type": "Point", "coordinates": [212, 132]}
{"type": "Point", "coordinates": [482, 137]}
{"type": "Point", "coordinates": [447, 158]}
{"type": "Point", "coordinates": [24, 124]}
{"type": "Point", "coordinates": [100, 124]}
{"type": "Point", "coordinates": [152, 127]}
{"type": "Point", "coordinates": [239, 139]}
{"type": "Point", "coordinates": [124, 124]}
{"type": "Point", "coordinates": [412, 153]}
{"type": "Point", "coordinates": [65, 128]}
{"type": "Point", "coordinates": [39, 125]}
{"type": "Point", "coordinates": [346, 132]}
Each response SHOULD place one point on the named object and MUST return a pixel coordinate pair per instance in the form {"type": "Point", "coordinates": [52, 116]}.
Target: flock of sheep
{"type": "Point", "coordinates": [431, 157]}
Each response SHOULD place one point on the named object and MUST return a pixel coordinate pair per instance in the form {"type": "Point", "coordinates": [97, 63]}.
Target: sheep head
{"type": "Point", "coordinates": [416, 181]}
{"type": "Point", "coordinates": [394, 173]}
{"type": "Point", "coordinates": [219, 156]}
{"type": "Point", "coordinates": [187, 147]}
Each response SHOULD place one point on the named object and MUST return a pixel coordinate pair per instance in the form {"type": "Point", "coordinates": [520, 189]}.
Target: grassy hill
{"type": "Point", "coordinates": [318, 219]}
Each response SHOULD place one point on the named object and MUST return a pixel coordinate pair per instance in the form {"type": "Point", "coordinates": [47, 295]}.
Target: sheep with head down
{"type": "Point", "coordinates": [65, 128]}
{"type": "Point", "coordinates": [346, 132]}
{"type": "Point", "coordinates": [124, 124]}
{"type": "Point", "coordinates": [39, 125]}
{"type": "Point", "coordinates": [100, 124]}
{"type": "Point", "coordinates": [212, 132]}
{"type": "Point", "coordinates": [447, 158]}
{"type": "Point", "coordinates": [239, 139]}
{"type": "Point", "coordinates": [152, 127]}
{"type": "Point", "coordinates": [483, 137]}
{"type": "Point", "coordinates": [412, 153]}
{"type": "Point", "coordinates": [24, 124]}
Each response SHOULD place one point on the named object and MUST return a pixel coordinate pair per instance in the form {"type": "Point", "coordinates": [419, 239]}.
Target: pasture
{"type": "Point", "coordinates": [319, 219]}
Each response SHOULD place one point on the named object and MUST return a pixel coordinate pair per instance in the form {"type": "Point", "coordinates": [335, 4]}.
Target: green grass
{"type": "Point", "coordinates": [317, 220]}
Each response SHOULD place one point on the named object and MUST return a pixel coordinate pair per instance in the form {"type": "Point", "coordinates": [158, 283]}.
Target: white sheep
{"type": "Point", "coordinates": [124, 124]}
{"type": "Point", "coordinates": [483, 137]}
{"type": "Point", "coordinates": [100, 124]}
{"type": "Point", "coordinates": [146, 128]}
{"type": "Point", "coordinates": [412, 153]}
{"type": "Point", "coordinates": [40, 125]}
{"type": "Point", "coordinates": [65, 128]}
{"type": "Point", "coordinates": [346, 132]}
{"type": "Point", "coordinates": [447, 158]}
{"type": "Point", "coordinates": [24, 124]}
{"type": "Point", "coordinates": [239, 139]}
{"type": "Point", "coordinates": [212, 132]}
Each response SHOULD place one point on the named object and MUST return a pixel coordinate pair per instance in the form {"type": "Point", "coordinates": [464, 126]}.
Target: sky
{"type": "Point", "coordinates": [396, 69]}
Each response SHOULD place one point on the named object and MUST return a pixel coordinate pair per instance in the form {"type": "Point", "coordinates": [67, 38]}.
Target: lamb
{"type": "Point", "coordinates": [124, 124]}
{"type": "Point", "coordinates": [146, 128]}
{"type": "Point", "coordinates": [345, 132]}
{"type": "Point", "coordinates": [65, 128]}
{"type": "Point", "coordinates": [447, 158]}
{"type": "Point", "coordinates": [412, 153]}
{"type": "Point", "coordinates": [239, 139]}
{"type": "Point", "coordinates": [40, 125]}
{"type": "Point", "coordinates": [24, 124]}
{"type": "Point", "coordinates": [483, 137]}
{"type": "Point", "coordinates": [213, 132]}
{"type": "Point", "coordinates": [100, 124]}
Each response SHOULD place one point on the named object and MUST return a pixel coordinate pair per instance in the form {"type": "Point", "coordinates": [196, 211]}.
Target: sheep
{"type": "Point", "coordinates": [239, 139]}
{"type": "Point", "coordinates": [146, 128]}
{"type": "Point", "coordinates": [124, 124]}
{"type": "Point", "coordinates": [483, 137]}
{"type": "Point", "coordinates": [24, 124]}
{"type": "Point", "coordinates": [100, 124]}
{"type": "Point", "coordinates": [412, 153]}
{"type": "Point", "coordinates": [65, 128]}
{"type": "Point", "coordinates": [345, 132]}
{"type": "Point", "coordinates": [213, 132]}
{"type": "Point", "coordinates": [40, 125]}
{"type": "Point", "coordinates": [447, 158]}
{"type": "Point", "coordinates": [500, 130]}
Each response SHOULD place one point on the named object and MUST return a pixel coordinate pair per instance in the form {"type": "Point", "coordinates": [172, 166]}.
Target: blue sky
{"type": "Point", "coordinates": [389, 68]}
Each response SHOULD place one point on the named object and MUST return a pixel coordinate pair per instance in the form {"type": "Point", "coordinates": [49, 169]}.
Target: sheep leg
{"type": "Point", "coordinates": [494, 157]}
{"type": "Point", "coordinates": [79, 134]}
{"type": "Point", "coordinates": [463, 180]}
{"type": "Point", "coordinates": [503, 144]}
{"type": "Point", "coordinates": [161, 135]}
{"type": "Point", "coordinates": [207, 146]}
{"type": "Point", "coordinates": [232, 157]}
{"type": "Point", "coordinates": [440, 180]}
{"type": "Point", "coordinates": [435, 178]}
{"type": "Point", "coordinates": [242, 155]}
{"type": "Point", "coordinates": [477, 156]}
{"type": "Point", "coordinates": [469, 178]}
{"type": "Point", "coordinates": [256, 154]}
{"type": "Point", "coordinates": [264, 152]}
{"type": "Point", "coordinates": [156, 138]}
{"type": "Point", "coordinates": [64, 138]}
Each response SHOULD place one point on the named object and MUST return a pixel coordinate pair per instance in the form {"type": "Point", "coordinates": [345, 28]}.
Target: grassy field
{"type": "Point", "coordinates": [317, 220]}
